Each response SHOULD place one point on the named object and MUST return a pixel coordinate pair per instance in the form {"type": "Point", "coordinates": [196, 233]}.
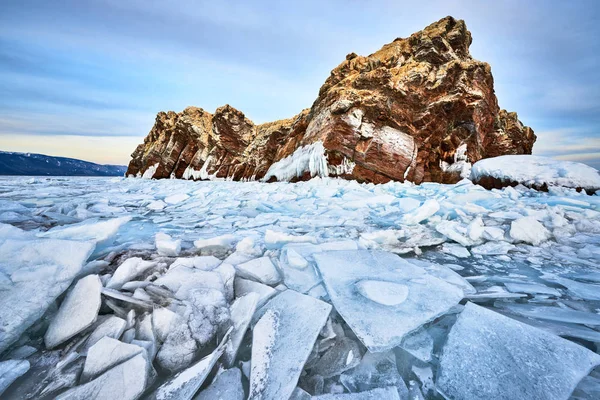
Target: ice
{"type": "Point", "coordinates": [105, 354]}
{"type": "Point", "coordinates": [456, 250]}
{"type": "Point", "coordinates": [282, 341]}
{"type": "Point", "coordinates": [531, 288]}
{"type": "Point", "coordinates": [382, 326]}
{"type": "Point", "coordinates": [488, 355]}
{"type": "Point", "coordinates": [586, 291]}
{"type": "Point", "coordinates": [93, 230]}
{"type": "Point", "coordinates": [78, 311]}
{"type": "Point", "coordinates": [224, 241]}
{"type": "Point", "coordinates": [376, 370]}
{"type": "Point", "coordinates": [50, 266]}
{"type": "Point", "coordinates": [176, 198]}
{"type": "Point", "coordinates": [226, 386]}
{"type": "Point", "coordinates": [242, 310]}
{"type": "Point", "coordinates": [111, 327]}
{"type": "Point", "coordinates": [128, 270]}
{"type": "Point", "coordinates": [342, 356]}
{"type": "Point", "coordinates": [10, 371]}
{"type": "Point", "coordinates": [529, 230]}
{"type": "Point", "coordinates": [244, 286]}
{"type": "Point", "coordinates": [388, 393]}
{"type": "Point", "coordinates": [166, 246]}
{"type": "Point", "coordinates": [185, 384]}
{"type": "Point", "coordinates": [261, 270]}
{"type": "Point", "coordinates": [275, 239]}
{"type": "Point", "coordinates": [426, 210]}
{"type": "Point", "coordinates": [537, 171]}
{"type": "Point", "coordinates": [310, 158]}
{"type": "Point", "coordinates": [126, 381]}
{"type": "Point", "coordinates": [163, 320]}
{"type": "Point", "coordinates": [493, 248]}
{"type": "Point", "coordinates": [553, 313]}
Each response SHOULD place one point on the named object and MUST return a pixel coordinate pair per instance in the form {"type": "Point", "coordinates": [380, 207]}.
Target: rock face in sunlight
{"type": "Point", "coordinates": [419, 109]}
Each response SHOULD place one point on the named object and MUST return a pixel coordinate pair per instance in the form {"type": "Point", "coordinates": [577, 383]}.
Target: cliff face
{"type": "Point", "coordinates": [418, 109]}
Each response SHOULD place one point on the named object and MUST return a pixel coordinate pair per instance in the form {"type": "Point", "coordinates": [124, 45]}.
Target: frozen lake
{"type": "Point", "coordinates": [377, 275]}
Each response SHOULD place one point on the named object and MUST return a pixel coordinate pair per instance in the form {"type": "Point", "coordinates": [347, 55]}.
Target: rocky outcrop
{"type": "Point", "coordinates": [419, 109]}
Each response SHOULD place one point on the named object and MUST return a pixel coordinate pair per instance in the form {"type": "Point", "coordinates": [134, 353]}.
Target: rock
{"type": "Point", "coordinates": [420, 109]}
{"type": "Point", "coordinates": [77, 312]}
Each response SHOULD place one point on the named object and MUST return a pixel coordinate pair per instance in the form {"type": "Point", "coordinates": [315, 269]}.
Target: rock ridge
{"type": "Point", "coordinates": [419, 109]}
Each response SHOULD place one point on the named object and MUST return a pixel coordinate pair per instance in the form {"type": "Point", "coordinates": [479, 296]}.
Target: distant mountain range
{"type": "Point", "coordinates": [40, 165]}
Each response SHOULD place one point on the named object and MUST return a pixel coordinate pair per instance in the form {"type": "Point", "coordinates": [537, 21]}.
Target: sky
{"type": "Point", "coordinates": [85, 78]}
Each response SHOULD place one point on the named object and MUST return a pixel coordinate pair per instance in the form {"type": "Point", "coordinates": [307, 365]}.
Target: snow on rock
{"type": "Point", "coordinates": [105, 354]}
{"type": "Point", "coordinates": [166, 246]}
{"type": "Point", "coordinates": [37, 271]}
{"type": "Point", "coordinates": [129, 270]}
{"type": "Point", "coordinates": [126, 381]}
{"type": "Point", "coordinates": [10, 371]}
{"type": "Point", "coordinates": [282, 340]}
{"type": "Point", "coordinates": [261, 270]}
{"type": "Point", "coordinates": [536, 172]}
{"type": "Point", "coordinates": [77, 312]}
{"type": "Point", "coordinates": [529, 230]}
{"type": "Point", "coordinates": [226, 386]}
{"type": "Point", "coordinates": [185, 384]}
{"type": "Point", "coordinates": [488, 355]}
{"type": "Point", "coordinates": [383, 313]}
{"type": "Point", "coordinates": [310, 158]}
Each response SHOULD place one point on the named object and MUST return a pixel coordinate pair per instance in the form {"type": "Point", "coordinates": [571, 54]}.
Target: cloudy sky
{"type": "Point", "coordinates": [85, 78]}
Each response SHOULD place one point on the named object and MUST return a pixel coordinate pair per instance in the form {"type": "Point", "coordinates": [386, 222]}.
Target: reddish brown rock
{"type": "Point", "coordinates": [400, 113]}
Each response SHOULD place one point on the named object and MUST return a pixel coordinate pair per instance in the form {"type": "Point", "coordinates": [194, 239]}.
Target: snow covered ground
{"type": "Point", "coordinates": [327, 289]}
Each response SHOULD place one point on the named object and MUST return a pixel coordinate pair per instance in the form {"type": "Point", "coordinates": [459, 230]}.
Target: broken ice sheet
{"type": "Point", "coordinates": [78, 311]}
{"type": "Point", "coordinates": [376, 370]}
{"type": "Point", "coordinates": [45, 268]}
{"type": "Point", "coordinates": [490, 356]}
{"type": "Point", "coordinates": [388, 393]}
{"type": "Point", "coordinates": [10, 371]}
{"type": "Point", "coordinates": [383, 297]}
{"type": "Point", "coordinates": [282, 340]}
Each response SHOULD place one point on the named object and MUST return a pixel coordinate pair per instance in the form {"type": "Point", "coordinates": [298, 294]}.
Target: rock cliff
{"type": "Point", "coordinates": [419, 109]}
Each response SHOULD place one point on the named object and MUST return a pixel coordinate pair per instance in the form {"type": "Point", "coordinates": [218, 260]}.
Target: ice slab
{"type": "Point", "coordinates": [167, 246]}
{"type": "Point", "coordinates": [77, 312]}
{"type": "Point", "coordinates": [426, 210]}
{"type": "Point", "coordinates": [113, 327]}
{"type": "Point", "coordinates": [529, 230]}
{"type": "Point", "coordinates": [282, 340]}
{"type": "Point", "coordinates": [260, 269]}
{"type": "Point", "coordinates": [552, 313]}
{"type": "Point", "coordinates": [490, 356]}
{"type": "Point", "coordinates": [376, 370]}
{"type": "Point", "coordinates": [105, 354]}
{"type": "Point", "coordinates": [40, 271]}
{"type": "Point", "coordinates": [342, 356]}
{"type": "Point", "coordinates": [126, 381]}
{"type": "Point", "coordinates": [128, 270]}
{"type": "Point", "coordinates": [226, 386]}
{"type": "Point", "coordinates": [242, 310]}
{"type": "Point", "coordinates": [186, 383]}
{"type": "Point", "coordinates": [10, 371]}
{"type": "Point", "coordinates": [389, 393]}
{"type": "Point", "coordinates": [245, 286]}
{"type": "Point", "coordinates": [92, 230]}
{"type": "Point", "coordinates": [531, 288]}
{"type": "Point", "coordinates": [381, 318]}
{"type": "Point", "coordinates": [586, 291]}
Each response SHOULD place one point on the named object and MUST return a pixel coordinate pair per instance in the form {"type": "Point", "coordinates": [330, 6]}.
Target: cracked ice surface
{"type": "Point", "coordinates": [180, 263]}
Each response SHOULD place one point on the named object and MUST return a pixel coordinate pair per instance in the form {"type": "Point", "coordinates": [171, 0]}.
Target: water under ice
{"type": "Point", "coordinates": [173, 298]}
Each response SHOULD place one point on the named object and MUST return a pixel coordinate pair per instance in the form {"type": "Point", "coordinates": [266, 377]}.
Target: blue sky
{"type": "Point", "coordinates": [86, 78]}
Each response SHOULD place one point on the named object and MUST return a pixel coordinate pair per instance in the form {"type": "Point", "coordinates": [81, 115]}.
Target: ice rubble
{"type": "Point", "coordinates": [537, 171]}
{"type": "Point", "coordinates": [268, 263]}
